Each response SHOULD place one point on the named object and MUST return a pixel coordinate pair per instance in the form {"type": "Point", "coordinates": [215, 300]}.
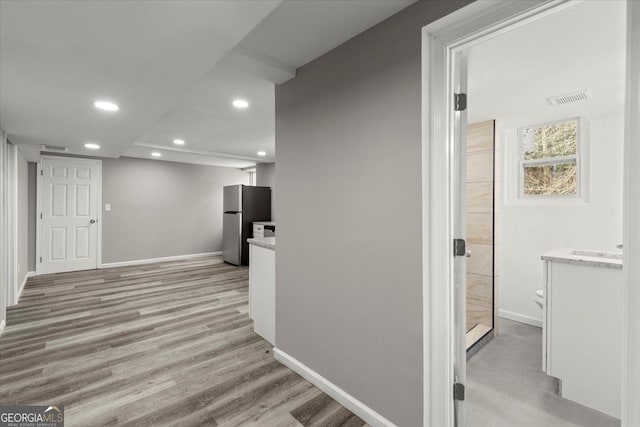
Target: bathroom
{"type": "Point", "coordinates": [545, 76]}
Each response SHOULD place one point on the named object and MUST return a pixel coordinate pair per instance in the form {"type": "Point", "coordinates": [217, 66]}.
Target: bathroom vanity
{"type": "Point", "coordinates": [582, 326]}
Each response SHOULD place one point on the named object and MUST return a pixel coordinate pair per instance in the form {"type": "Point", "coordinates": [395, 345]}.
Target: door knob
{"type": "Point", "coordinates": [93, 221]}
{"type": "Point", "coordinates": [468, 254]}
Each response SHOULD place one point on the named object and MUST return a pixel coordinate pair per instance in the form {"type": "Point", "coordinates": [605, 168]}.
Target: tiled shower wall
{"type": "Point", "coordinates": [481, 206]}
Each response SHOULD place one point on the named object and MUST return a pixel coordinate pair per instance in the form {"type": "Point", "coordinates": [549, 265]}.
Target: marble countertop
{"type": "Point", "coordinates": [595, 258]}
{"type": "Point", "coordinates": [265, 223]}
{"type": "Point", "coordinates": [265, 242]}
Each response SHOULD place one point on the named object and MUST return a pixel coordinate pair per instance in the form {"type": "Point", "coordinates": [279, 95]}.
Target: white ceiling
{"type": "Point", "coordinates": [59, 56]}
{"type": "Point", "coordinates": [173, 66]}
{"type": "Point", "coordinates": [205, 119]}
{"type": "Point", "coordinates": [581, 47]}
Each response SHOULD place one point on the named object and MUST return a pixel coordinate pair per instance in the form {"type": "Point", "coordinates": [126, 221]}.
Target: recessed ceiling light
{"type": "Point", "coordinates": [178, 141]}
{"type": "Point", "coordinates": [156, 154]}
{"type": "Point", "coordinates": [106, 105]}
{"type": "Point", "coordinates": [262, 153]}
{"type": "Point", "coordinates": [240, 103]}
{"type": "Point", "coordinates": [91, 146]}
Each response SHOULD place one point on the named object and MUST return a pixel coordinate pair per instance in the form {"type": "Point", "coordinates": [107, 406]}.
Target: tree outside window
{"type": "Point", "coordinates": [549, 159]}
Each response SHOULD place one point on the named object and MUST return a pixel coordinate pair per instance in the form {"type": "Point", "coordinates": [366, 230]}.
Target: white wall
{"type": "Point", "coordinates": [527, 231]}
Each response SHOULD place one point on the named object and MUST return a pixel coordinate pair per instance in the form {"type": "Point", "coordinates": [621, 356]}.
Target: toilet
{"type": "Point", "coordinates": [539, 297]}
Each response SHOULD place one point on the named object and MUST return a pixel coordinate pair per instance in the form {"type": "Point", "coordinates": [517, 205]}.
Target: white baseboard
{"type": "Point", "coordinates": [24, 282]}
{"type": "Point", "coordinates": [2, 327]}
{"type": "Point", "coordinates": [345, 399]}
{"type": "Point", "coordinates": [517, 317]}
{"type": "Point", "coordinates": [152, 260]}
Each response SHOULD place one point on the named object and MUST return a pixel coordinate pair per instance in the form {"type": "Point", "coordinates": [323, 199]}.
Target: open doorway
{"type": "Point", "coordinates": [445, 123]}
{"type": "Point", "coordinates": [553, 90]}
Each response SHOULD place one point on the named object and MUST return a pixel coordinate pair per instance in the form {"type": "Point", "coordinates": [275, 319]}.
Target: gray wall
{"type": "Point", "coordinates": [266, 177]}
{"type": "Point", "coordinates": [349, 268]}
{"type": "Point", "coordinates": [23, 218]}
{"type": "Point", "coordinates": [31, 213]}
{"type": "Point", "coordinates": [161, 209]}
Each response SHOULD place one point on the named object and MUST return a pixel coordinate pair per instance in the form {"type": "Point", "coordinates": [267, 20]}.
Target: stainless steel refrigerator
{"type": "Point", "coordinates": [243, 205]}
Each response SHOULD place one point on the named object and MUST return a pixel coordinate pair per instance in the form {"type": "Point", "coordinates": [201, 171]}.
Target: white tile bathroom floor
{"type": "Point", "coordinates": [507, 388]}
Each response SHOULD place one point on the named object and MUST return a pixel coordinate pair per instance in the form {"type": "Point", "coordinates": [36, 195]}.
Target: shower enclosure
{"type": "Point", "coordinates": [482, 214]}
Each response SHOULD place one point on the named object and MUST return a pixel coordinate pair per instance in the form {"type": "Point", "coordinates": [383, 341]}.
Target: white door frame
{"type": "Point", "coordinates": [8, 225]}
{"type": "Point", "coordinates": [12, 222]}
{"type": "Point", "coordinates": [462, 29]}
{"type": "Point", "coordinates": [631, 225]}
{"type": "Point", "coordinates": [39, 210]}
{"type": "Point", "coordinates": [4, 228]}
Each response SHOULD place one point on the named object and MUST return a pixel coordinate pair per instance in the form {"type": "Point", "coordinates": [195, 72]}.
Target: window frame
{"type": "Point", "coordinates": [546, 161]}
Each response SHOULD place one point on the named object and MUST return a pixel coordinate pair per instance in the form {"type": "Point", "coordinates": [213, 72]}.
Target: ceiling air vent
{"type": "Point", "coordinates": [569, 98]}
{"type": "Point", "coordinates": [57, 148]}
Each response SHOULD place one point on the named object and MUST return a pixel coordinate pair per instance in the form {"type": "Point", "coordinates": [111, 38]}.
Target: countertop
{"type": "Point", "coordinates": [264, 242]}
{"type": "Point", "coordinates": [595, 258]}
{"type": "Point", "coordinates": [265, 223]}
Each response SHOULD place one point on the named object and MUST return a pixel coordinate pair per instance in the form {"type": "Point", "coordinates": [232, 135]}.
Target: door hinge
{"type": "Point", "coordinates": [40, 259]}
{"type": "Point", "coordinates": [459, 101]}
{"type": "Point", "coordinates": [41, 172]}
{"type": "Point", "coordinates": [41, 215]}
{"type": "Point", "coordinates": [458, 391]}
{"type": "Point", "coordinates": [459, 247]}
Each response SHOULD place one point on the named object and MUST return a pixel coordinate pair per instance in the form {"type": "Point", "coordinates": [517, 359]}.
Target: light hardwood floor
{"type": "Point", "coordinates": [160, 344]}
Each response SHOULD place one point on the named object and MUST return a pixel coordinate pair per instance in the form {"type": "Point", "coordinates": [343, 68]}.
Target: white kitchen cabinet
{"type": "Point", "coordinates": [262, 289]}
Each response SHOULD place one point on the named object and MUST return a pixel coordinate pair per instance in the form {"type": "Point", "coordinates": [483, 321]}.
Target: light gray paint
{"type": "Point", "coordinates": [348, 265]}
{"type": "Point", "coordinates": [31, 213]}
{"type": "Point", "coordinates": [4, 227]}
{"type": "Point", "coordinates": [161, 209]}
{"type": "Point", "coordinates": [266, 177]}
{"type": "Point", "coordinates": [23, 218]}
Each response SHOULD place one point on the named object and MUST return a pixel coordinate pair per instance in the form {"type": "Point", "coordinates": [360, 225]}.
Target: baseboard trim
{"type": "Point", "coordinates": [517, 317]}
{"type": "Point", "coordinates": [152, 260]}
{"type": "Point", "coordinates": [2, 327]}
{"type": "Point", "coordinates": [24, 282]}
{"type": "Point", "coordinates": [345, 399]}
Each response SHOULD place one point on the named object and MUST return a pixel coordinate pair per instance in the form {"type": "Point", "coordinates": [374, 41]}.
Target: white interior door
{"type": "Point", "coordinates": [459, 171]}
{"type": "Point", "coordinates": [69, 214]}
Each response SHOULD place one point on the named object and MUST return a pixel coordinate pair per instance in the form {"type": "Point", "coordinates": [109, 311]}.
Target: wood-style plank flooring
{"type": "Point", "coordinates": [159, 344]}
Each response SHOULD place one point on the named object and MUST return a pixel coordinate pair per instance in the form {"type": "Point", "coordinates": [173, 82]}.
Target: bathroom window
{"type": "Point", "coordinates": [550, 159]}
